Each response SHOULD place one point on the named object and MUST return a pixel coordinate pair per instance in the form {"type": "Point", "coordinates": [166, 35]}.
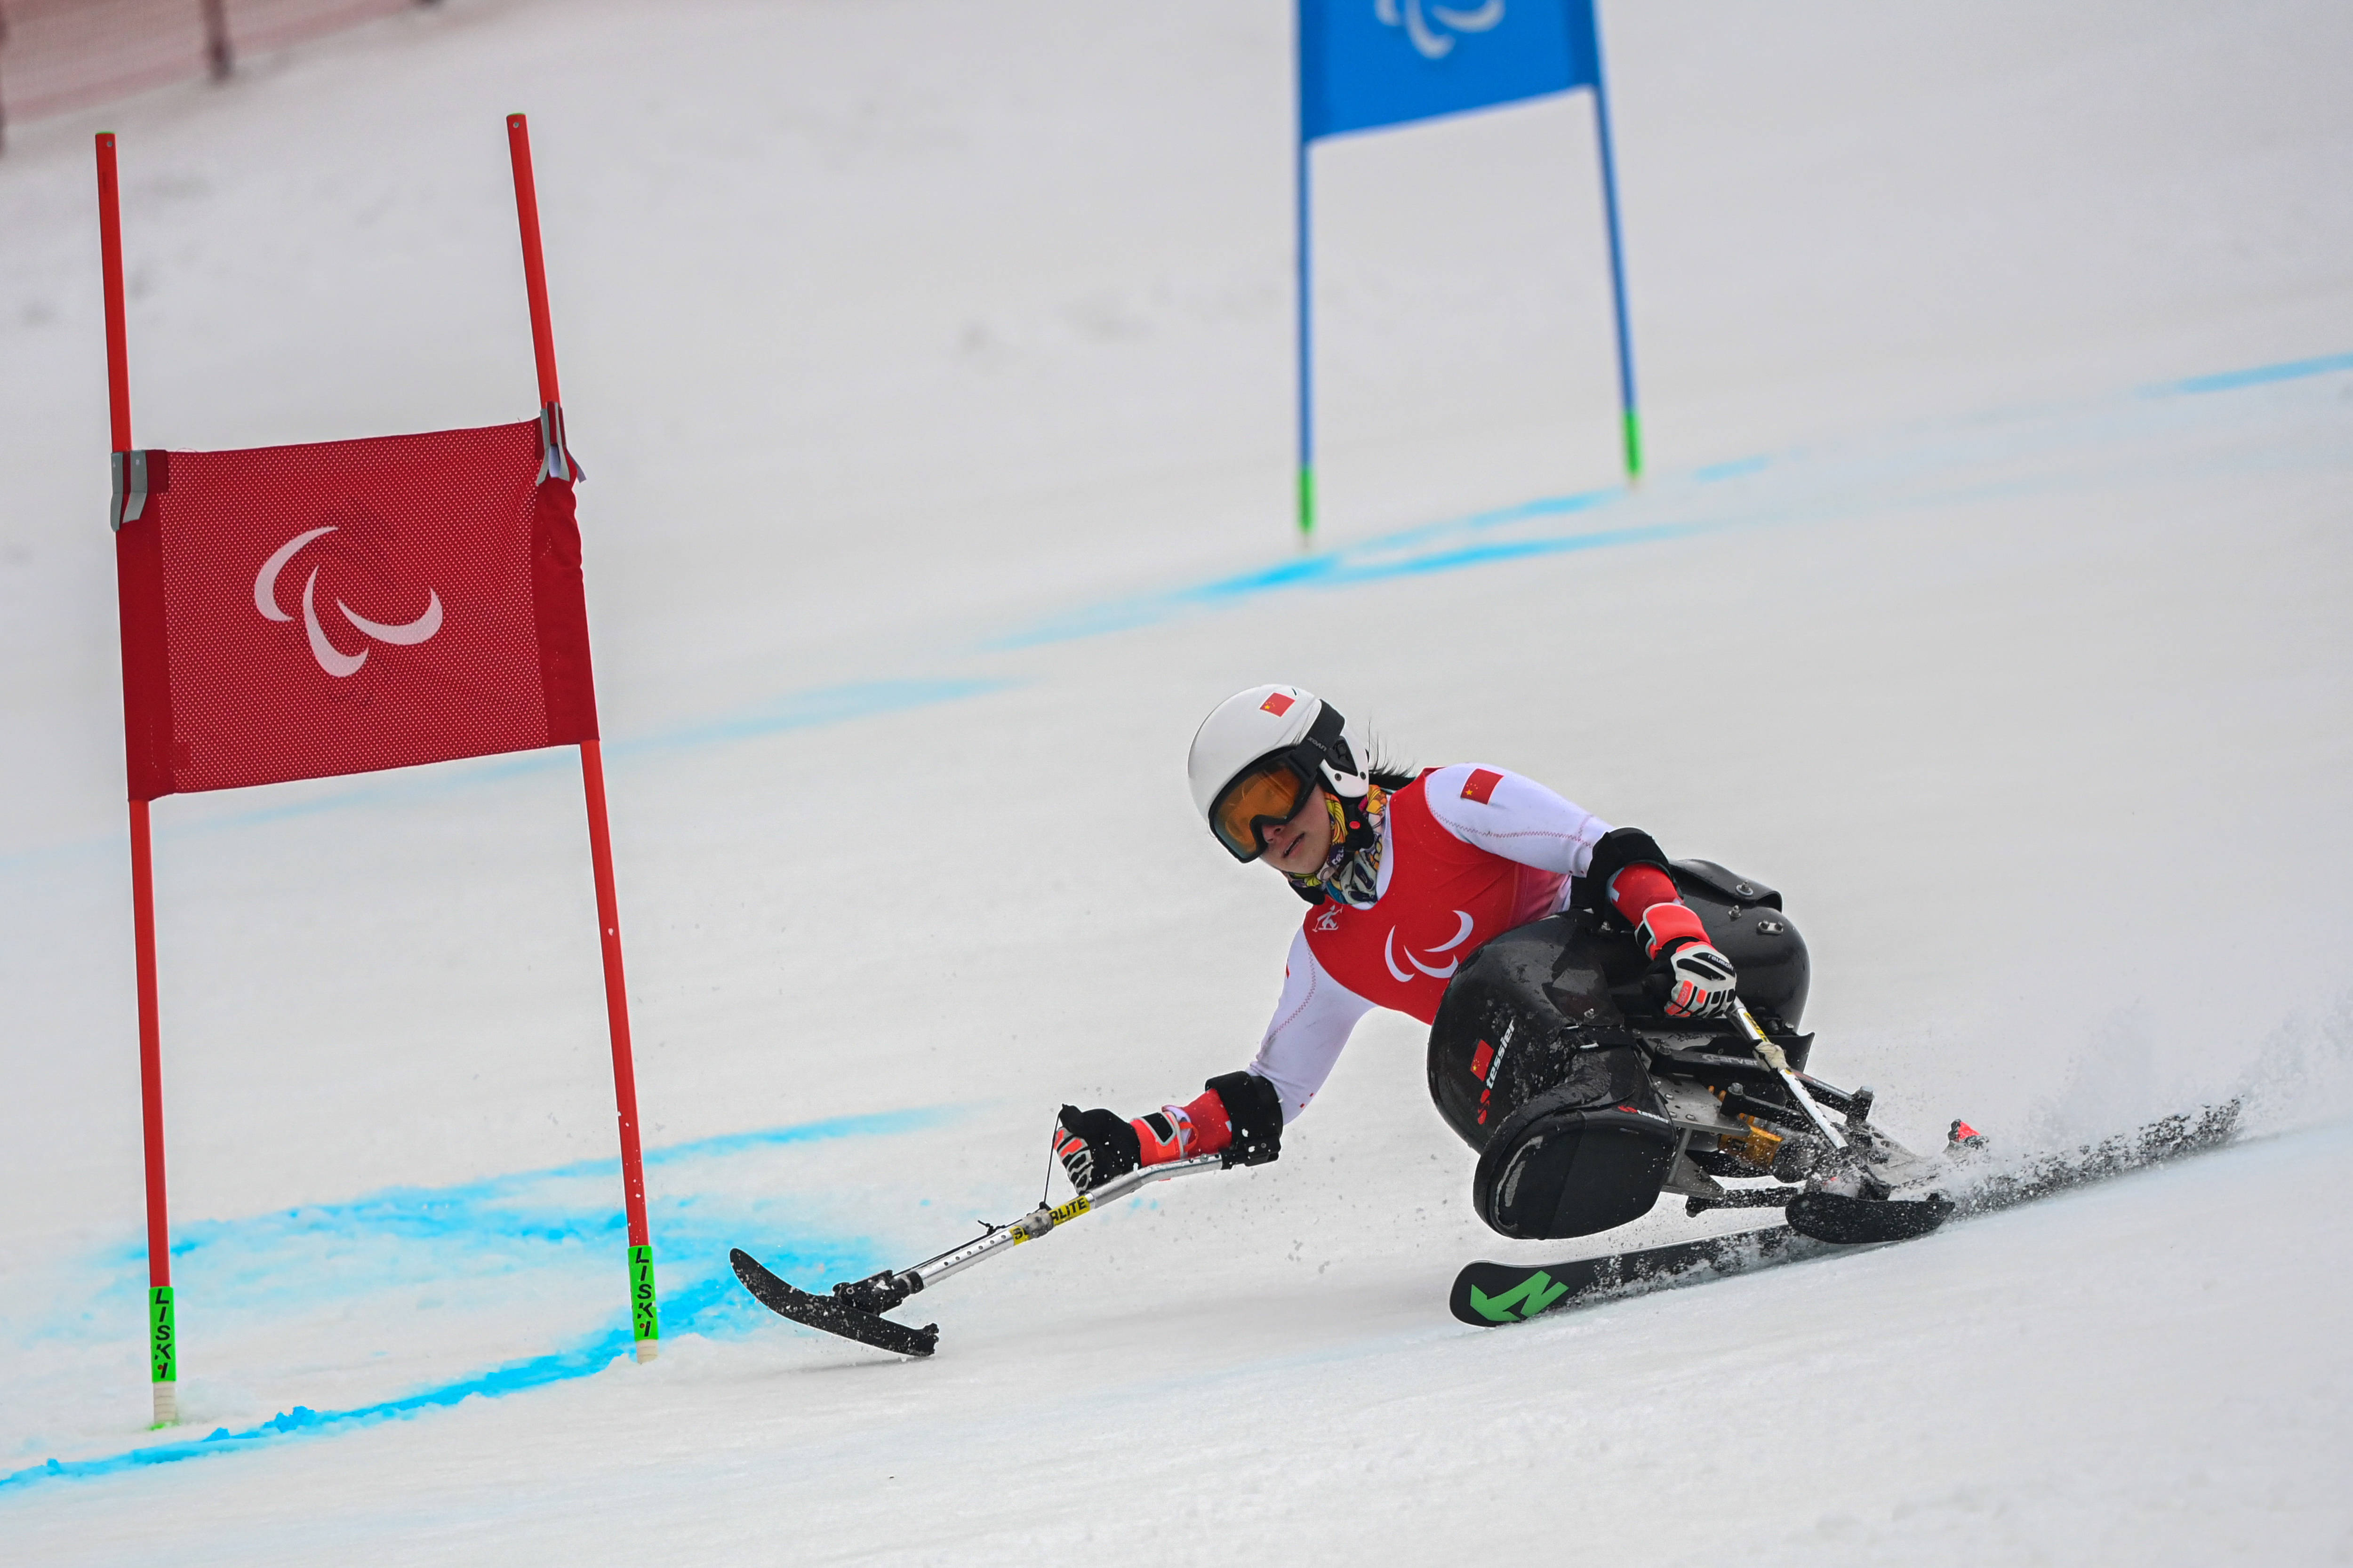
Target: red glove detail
{"type": "Point", "coordinates": [1701, 982]}
{"type": "Point", "coordinates": [1159, 1138]}
{"type": "Point", "coordinates": [1180, 1131]}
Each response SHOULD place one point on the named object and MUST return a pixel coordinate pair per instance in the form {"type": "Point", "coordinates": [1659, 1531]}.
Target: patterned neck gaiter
{"type": "Point", "coordinates": [1352, 872]}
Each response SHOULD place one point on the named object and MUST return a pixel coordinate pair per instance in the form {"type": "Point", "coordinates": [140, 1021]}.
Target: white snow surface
{"type": "Point", "coordinates": [931, 363]}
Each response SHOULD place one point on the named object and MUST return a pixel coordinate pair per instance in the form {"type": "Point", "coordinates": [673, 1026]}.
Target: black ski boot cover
{"type": "Point", "coordinates": [1562, 1166]}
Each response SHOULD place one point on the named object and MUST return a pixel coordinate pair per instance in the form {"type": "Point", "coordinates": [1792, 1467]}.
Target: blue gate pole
{"type": "Point", "coordinates": [1306, 356]}
{"type": "Point", "coordinates": [1633, 419]}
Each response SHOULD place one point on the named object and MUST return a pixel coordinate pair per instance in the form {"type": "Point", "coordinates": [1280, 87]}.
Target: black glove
{"type": "Point", "coordinates": [1095, 1146]}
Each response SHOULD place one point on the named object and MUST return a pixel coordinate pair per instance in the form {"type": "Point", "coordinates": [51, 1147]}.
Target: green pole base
{"type": "Point", "coordinates": [1633, 445]}
{"type": "Point", "coordinates": [645, 1310]}
{"type": "Point", "coordinates": [163, 1354]}
{"type": "Point", "coordinates": [162, 1335]}
{"type": "Point", "coordinates": [1307, 503]}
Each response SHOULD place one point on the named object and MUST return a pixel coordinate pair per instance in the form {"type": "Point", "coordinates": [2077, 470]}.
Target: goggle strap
{"type": "Point", "coordinates": [1324, 735]}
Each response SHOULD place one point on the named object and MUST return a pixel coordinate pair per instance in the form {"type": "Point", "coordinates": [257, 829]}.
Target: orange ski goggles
{"type": "Point", "coordinates": [1267, 792]}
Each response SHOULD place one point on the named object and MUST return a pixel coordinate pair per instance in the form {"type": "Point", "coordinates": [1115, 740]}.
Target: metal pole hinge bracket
{"type": "Point", "coordinates": [129, 490]}
{"type": "Point", "coordinates": [559, 463]}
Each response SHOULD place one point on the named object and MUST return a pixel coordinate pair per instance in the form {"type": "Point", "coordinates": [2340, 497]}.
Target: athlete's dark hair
{"type": "Point", "coordinates": [1385, 770]}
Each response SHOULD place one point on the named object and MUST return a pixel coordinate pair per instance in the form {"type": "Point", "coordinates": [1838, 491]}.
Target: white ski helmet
{"type": "Point", "coordinates": [1264, 729]}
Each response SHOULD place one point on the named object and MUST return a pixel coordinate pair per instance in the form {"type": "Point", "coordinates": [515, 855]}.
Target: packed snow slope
{"type": "Point", "coordinates": [932, 362]}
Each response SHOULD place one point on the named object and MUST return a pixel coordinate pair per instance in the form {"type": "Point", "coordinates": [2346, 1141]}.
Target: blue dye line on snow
{"type": "Point", "coordinates": [1403, 554]}
{"type": "Point", "coordinates": [680, 1312]}
{"type": "Point", "coordinates": [2292, 370]}
{"type": "Point", "coordinates": [442, 1212]}
{"type": "Point", "coordinates": [1431, 548]}
{"type": "Point", "coordinates": [825, 705]}
{"type": "Point", "coordinates": [1731, 470]}
{"type": "Point", "coordinates": [1342, 572]}
{"type": "Point", "coordinates": [514, 1378]}
{"type": "Point", "coordinates": [1442, 547]}
{"type": "Point", "coordinates": [1437, 547]}
{"type": "Point", "coordinates": [1407, 552]}
{"type": "Point", "coordinates": [872, 1124]}
{"type": "Point", "coordinates": [798, 710]}
{"type": "Point", "coordinates": [690, 1301]}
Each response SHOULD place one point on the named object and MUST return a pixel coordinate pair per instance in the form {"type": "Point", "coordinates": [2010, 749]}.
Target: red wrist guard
{"type": "Point", "coordinates": [1213, 1129]}
{"type": "Point", "coordinates": [1633, 890]}
{"type": "Point", "coordinates": [1180, 1131]}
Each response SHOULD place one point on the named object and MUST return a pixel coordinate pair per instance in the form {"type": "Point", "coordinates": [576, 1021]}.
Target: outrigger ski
{"type": "Point", "coordinates": [1489, 1293]}
{"type": "Point", "coordinates": [831, 1313]}
{"type": "Point", "coordinates": [855, 1309]}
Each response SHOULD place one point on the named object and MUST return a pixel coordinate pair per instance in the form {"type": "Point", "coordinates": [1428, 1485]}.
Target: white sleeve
{"type": "Point", "coordinates": [1312, 1022]}
{"type": "Point", "coordinates": [1513, 817]}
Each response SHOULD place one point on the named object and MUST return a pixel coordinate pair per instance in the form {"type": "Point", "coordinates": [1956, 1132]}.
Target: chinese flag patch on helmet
{"type": "Point", "coordinates": [1276, 704]}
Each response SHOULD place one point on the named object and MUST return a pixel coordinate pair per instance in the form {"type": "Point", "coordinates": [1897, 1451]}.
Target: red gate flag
{"type": "Point", "coordinates": [299, 611]}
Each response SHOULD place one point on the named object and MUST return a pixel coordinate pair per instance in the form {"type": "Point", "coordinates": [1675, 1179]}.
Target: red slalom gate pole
{"type": "Point", "coordinates": [163, 1330]}
{"type": "Point", "coordinates": [534, 268]}
{"type": "Point", "coordinates": [110, 250]}
{"type": "Point", "coordinates": [645, 1313]}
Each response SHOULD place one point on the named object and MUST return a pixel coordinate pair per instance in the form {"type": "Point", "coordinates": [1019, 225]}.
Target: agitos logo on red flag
{"type": "Point", "coordinates": [297, 612]}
